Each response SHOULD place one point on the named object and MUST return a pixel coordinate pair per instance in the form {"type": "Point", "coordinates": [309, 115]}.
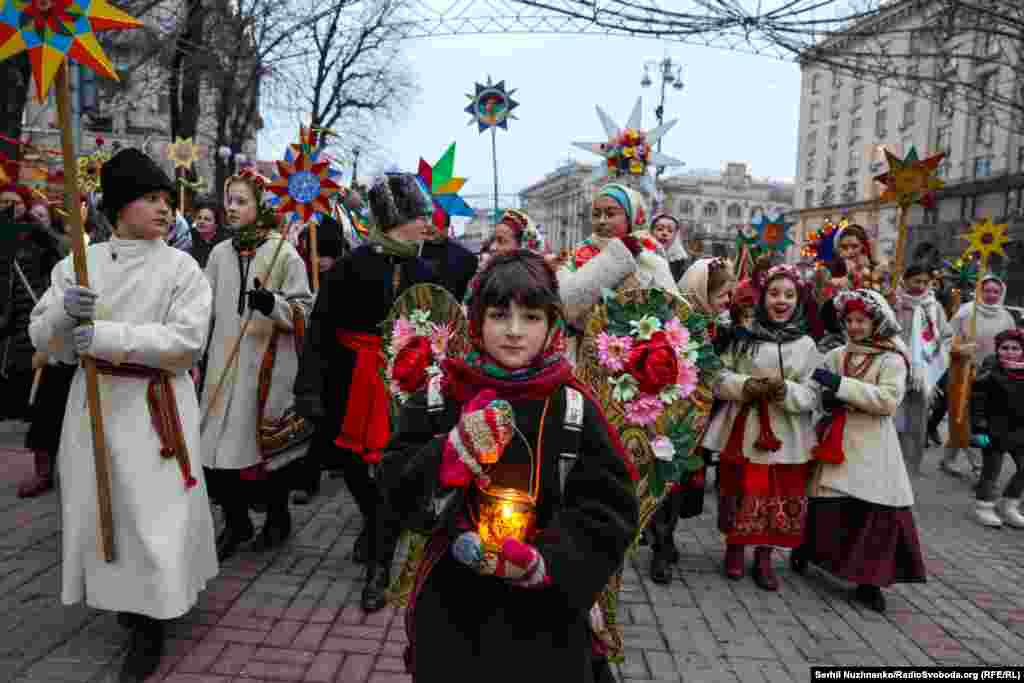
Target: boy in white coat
{"type": "Point", "coordinates": [150, 304]}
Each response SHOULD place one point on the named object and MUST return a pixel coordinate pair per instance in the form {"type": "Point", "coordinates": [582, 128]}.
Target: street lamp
{"type": "Point", "coordinates": [671, 74]}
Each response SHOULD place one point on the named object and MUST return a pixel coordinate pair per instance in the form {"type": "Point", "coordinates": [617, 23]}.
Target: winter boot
{"type": "Point", "coordinates": [985, 513]}
{"type": "Point", "coordinates": [238, 529]}
{"type": "Point", "coordinates": [144, 652]}
{"type": "Point", "coordinates": [798, 560]}
{"type": "Point", "coordinates": [375, 592]}
{"type": "Point", "coordinates": [42, 481]}
{"type": "Point", "coordinates": [871, 597]}
{"type": "Point", "coordinates": [762, 569]}
{"type": "Point", "coordinates": [1009, 511]}
{"type": "Point", "coordinates": [734, 561]}
{"type": "Point", "coordinates": [948, 462]}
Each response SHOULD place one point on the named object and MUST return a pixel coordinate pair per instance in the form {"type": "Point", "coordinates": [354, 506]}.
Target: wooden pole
{"type": "Point", "coordinates": [92, 388]}
{"type": "Point", "coordinates": [314, 256]}
{"type": "Point", "coordinates": [899, 260]}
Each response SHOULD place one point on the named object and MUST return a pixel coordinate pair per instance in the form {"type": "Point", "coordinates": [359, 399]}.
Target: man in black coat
{"type": "Point", "coordinates": [454, 264]}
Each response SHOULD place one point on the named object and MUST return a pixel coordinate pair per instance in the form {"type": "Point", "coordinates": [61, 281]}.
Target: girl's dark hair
{"type": "Point", "coordinates": [210, 204]}
{"type": "Point", "coordinates": [521, 276]}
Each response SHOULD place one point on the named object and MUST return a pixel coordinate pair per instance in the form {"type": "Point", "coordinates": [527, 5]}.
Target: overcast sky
{"type": "Point", "coordinates": [734, 107]}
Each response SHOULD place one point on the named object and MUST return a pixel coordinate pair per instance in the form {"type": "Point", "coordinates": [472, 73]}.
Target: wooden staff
{"type": "Point", "coordinates": [901, 254]}
{"type": "Point", "coordinates": [314, 256]}
{"type": "Point", "coordinates": [238, 340]}
{"type": "Point", "coordinates": [92, 387]}
{"type": "Point", "coordinates": [37, 376]}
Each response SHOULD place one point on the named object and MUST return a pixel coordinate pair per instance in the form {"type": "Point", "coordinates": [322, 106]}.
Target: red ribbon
{"type": "Point", "coordinates": [365, 430]}
{"type": "Point", "coordinates": [830, 450]}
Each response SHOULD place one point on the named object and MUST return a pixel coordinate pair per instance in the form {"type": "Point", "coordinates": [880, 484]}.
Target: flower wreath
{"type": "Point", "coordinates": [418, 347]}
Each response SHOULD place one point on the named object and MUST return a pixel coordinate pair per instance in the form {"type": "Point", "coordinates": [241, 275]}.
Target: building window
{"type": "Point", "coordinates": [850, 192]}
{"type": "Point", "coordinates": [983, 130]}
{"type": "Point", "coordinates": [808, 198]}
{"type": "Point", "coordinates": [946, 102]}
{"type": "Point", "coordinates": [686, 208]}
{"type": "Point", "coordinates": [883, 95]}
{"type": "Point", "coordinates": [858, 97]}
{"type": "Point", "coordinates": [810, 168]}
{"type": "Point", "coordinates": [710, 210]}
{"type": "Point", "coordinates": [834, 105]}
{"type": "Point", "coordinates": [815, 83]}
{"type": "Point", "coordinates": [830, 166]}
{"type": "Point", "coordinates": [853, 163]}
{"type": "Point", "coordinates": [943, 138]}
{"type": "Point", "coordinates": [855, 125]}
{"type": "Point", "coordinates": [735, 211]}
{"type": "Point", "coordinates": [909, 108]}
{"type": "Point", "coordinates": [837, 80]}
{"type": "Point", "coordinates": [982, 167]}
{"type": "Point", "coordinates": [812, 142]}
{"type": "Point", "coordinates": [828, 195]}
{"type": "Point", "coordinates": [816, 112]}
{"type": "Point", "coordinates": [880, 128]}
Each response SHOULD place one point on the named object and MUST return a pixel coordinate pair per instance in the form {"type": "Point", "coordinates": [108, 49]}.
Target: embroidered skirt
{"type": "Point", "coordinates": [762, 504]}
{"type": "Point", "coordinates": [864, 543]}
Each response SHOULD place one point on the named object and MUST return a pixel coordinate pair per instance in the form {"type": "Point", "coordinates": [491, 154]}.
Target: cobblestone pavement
{"type": "Point", "coordinates": [294, 616]}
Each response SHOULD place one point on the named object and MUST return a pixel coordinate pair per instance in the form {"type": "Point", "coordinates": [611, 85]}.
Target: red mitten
{"type": "Point", "coordinates": [480, 437]}
{"type": "Point", "coordinates": [519, 563]}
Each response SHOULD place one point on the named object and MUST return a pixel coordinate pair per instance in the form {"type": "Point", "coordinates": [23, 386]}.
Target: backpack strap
{"type": "Point", "coordinates": [573, 428]}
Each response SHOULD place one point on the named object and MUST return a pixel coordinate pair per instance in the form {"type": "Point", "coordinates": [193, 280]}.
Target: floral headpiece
{"type": "Point", "coordinates": [872, 304]}
{"type": "Point", "coordinates": [527, 234]}
{"type": "Point", "coordinates": [266, 216]}
{"type": "Point", "coordinates": [784, 270]}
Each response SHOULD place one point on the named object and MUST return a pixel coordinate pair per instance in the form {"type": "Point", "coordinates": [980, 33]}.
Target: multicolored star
{"type": "Point", "coordinates": [911, 181]}
{"type": "Point", "coordinates": [987, 238]}
{"type": "Point", "coordinates": [50, 30]}
{"type": "Point", "coordinates": [773, 233]}
{"type": "Point", "coordinates": [491, 105]}
{"type": "Point", "coordinates": [444, 188]}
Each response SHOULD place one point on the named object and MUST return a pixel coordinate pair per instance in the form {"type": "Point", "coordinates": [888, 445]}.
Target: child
{"type": "Point", "coordinates": [860, 525]}
{"type": "Point", "coordinates": [925, 332]}
{"type": "Point", "coordinates": [997, 413]}
{"type": "Point", "coordinates": [151, 307]}
{"type": "Point", "coordinates": [665, 228]}
{"type": "Point", "coordinates": [764, 430]}
{"type": "Point", "coordinates": [523, 613]}
{"type": "Point", "coordinates": [239, 274]}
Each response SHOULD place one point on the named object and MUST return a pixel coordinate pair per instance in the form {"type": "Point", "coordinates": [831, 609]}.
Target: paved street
{"type": "Point", "coordinates": [293, 616]}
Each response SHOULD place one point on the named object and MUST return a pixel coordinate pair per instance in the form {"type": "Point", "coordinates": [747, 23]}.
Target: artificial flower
{"type": "Point", "coordinates": [623, 388]}
{"type": "Point", "coordinates": [439, 340]}
{"type": "Point", "coordinates": [663, 448]}
{"type": "Point", "coordinates": [411, 363]}
{"type": "Point", "coordinates": [687, 379]}
{"type": "Point", "coordinates": [644, 410]}
{"type": "Point", "coordinates": [613, 351]}
{"type": "Point", "coordinates": [654, 364]}
{"type": "Point", "coordinates": [670, 394]}
{"type": "Point", "coordinates": [585, 253]}
{"type": "Point", "coordinates": [401, 333]}
{"type": "Point", "coordinates": [628, 152]}
{"type": "Point", "coordinates": [636, 168]}
{"type": "Point", "coordinates": [677, 334]}
{"type": "Point", "coordinates": [645, 327]}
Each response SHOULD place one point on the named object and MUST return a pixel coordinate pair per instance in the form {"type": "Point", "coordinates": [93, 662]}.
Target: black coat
{"type": "Point", "coordinates": [356, 297]}
{"type": "Point", "coordinates": [997, 406]}
{"type": "Point", "coordinates": [466, 622]}
{"type": "Point", "coordinates": [200, 249]}
{"type": "Point", "coordinates": [36, 255]}
{"type": "Point", "coordinates": [453, 264]}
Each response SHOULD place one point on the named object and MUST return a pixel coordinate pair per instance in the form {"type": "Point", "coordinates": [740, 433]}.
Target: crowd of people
{"type": "Point", "coordinates": [215, 357]}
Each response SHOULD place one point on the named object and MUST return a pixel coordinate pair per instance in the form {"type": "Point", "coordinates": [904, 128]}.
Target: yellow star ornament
{"type": "Point", "coordinates": [986, 239]}
{"type": "Point", "coordinates": [911, 180]}
{"type": "Point", "coordinates": [52, 30]}
{"type": "Point", "coordinates": [183, 152]}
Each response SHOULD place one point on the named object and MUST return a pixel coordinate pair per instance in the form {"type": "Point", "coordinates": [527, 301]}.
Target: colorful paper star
{"type": "Point", "coordinates": [491, 105]}
{"type": "Point", "coordinates": [444, 188]}
{"type": "Point", "coordinates": [183, 152]}
{"type": "Point", "coordinates": [773, 233]}
{"type": "Point", "coordinates": [629, 151]}
{"type": "Point", "coordinates": [986, 238]}
{"type": "Point", "coordinates": [305, 184]}
{"type": "Point", "coordinates": [911, 181]}
{"type": "Point", "coordinates": [51, 30]}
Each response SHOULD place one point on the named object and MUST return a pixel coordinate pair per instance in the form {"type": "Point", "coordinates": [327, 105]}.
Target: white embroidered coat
{"type": "Point", "coordinates": [153, 310]}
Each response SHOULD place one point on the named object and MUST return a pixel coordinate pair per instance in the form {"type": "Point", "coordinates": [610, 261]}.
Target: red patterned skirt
{"type": "Point", "coordinates": [762, 504]}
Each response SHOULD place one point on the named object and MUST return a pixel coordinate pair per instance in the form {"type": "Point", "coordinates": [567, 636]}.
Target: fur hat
{"type": "Point", "coordinates": [397, 198]}
{"type": "Point", "coordinates": [128, 175]}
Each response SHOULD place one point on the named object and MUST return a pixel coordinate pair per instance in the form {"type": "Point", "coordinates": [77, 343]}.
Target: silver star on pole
{"type": "Point", "coordinates": [629, 152]}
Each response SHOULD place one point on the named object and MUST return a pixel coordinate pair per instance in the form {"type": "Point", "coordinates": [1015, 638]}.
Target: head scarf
{"type": "Point", "coordinates": [763, 328]}
{"type": "Point", "coordinates": [694, 283]}
{"type": "Point", "coordinates": [631, 201]}
{"type": "Point", "coordinates": [990, 310]}
{"type": "Point", "coordinates": [675, 250]}
{"type": "Point", "coordinates": [527, 234]}
{"type": "Point", "coordinates": [248, 238]}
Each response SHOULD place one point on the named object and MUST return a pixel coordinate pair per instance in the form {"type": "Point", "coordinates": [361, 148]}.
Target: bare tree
{"type": "Point", "coordinates": [16, 74]}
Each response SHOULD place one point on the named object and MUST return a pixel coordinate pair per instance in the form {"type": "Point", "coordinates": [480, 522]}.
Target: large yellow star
{"type": "Point", "coordinates": [183, 152]}
{"type": "Point", "coordinates": [986, 239]}
{"type": "Point", "coordinates": [50, 30]}
{"type": "Point", "coordinates": [911, 181]}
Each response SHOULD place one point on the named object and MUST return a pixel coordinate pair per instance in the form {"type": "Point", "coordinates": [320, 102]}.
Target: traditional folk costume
{"type": "Point", "coordinates": [997, 413]}
{"type": "Point", "coordinates": [527, 236]}
{"type": "Point", "coordinates": [152, 315]}
{"type": "Point", "coordinates": [860, 525]}
{"type": "Point", "coordinates": [536, 626]}
{"type": "Point", "coordinates": [678, 259]}
{"type": "Point", "coordinates": [926, 333]}
{"type": "Point", "coordinates": [765, 441]}
{"type": "Point", "coordinates": [238, 270]}
{"type": "Point", "coordinates": [340, 384]}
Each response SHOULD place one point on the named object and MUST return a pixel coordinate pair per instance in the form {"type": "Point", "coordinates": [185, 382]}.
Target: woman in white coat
{"type": "Point", "coordinates": [860, 527]}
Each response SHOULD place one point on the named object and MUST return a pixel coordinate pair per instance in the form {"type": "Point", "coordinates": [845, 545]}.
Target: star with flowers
{"type": "Point", "coordinates": [629, 151]}
{"type": "Point", "coordinates": [183, 152]}
{"type": "Point", "coordinates": [444, 188]}
{"type": "Point", "coordinates": [911, 180]}
{"type": "Point", "coordinates": [52, 30]}
{"type": "Point", "coordinates": [773, 233]}
{"type": "Point", "coordinates": [304, 185]}
{"type": "Point", "coordinates": [986, 238]}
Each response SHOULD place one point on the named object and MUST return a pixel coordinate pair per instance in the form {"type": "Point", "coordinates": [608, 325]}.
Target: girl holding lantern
{"type": "Point", "coordinates": [764, 430]}
{"type": "Point", "coordinates": [860, 525]}
{"type": "Point", "coordinates": [517, 607]}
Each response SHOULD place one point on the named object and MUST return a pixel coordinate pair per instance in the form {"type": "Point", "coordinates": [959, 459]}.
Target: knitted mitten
{"type": "Point", "coordinates": [480, 437]}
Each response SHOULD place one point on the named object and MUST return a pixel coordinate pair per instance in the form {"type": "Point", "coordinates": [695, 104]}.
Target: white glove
{"type": "Point", "coordinates": [82, 336]}
{"type": "Point", "coordinates": [80, 302]}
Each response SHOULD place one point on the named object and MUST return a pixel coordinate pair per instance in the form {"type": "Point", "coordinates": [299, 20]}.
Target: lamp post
{"type": "Point", "coordinates": [671, 74]}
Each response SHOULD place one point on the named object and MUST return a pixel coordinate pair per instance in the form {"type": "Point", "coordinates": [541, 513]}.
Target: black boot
{"type": "Point", "coordinates": [277, 528]}
{"type": "Point", "coordinates": [375, 592]}
{"type": "Point", "coordinates": [238, 529]}
{"type": "Point", "coordinates": [361, 549]}
{"type": "Point", "coordinates": [661, 567]}
{"type": "Point", "coordinates": [798, 560]}
{"type": "Point", "coordinates": [871, 597]}
{"type": "Point", "coordinates": [144, 652]}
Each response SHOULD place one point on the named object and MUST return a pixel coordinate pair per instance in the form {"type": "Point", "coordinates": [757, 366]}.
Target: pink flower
{"type": "Point", "coordinates": [612, 351]}
{"type": "Point", "coordinates": [687, 380]}
{"type": "Point", "coordinates": [644, 411]}
{"type": "Point", "coordinates": [678, 335]}
{"type": "Point", "coordinates": [401, 333]}
{"type": "Point", "coordinates": [439, 340]}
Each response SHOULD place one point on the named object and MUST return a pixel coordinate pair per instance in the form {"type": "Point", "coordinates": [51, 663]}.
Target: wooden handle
{"type": "Point", "coordinates": [92, 387]}
{"type": "Point", "coordinates": [314, 256]}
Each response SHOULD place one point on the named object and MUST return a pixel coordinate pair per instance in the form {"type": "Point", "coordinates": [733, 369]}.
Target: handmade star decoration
{"type": "Point", "coordinates": [820, 243]}
{"type": "Point", "coordinates": [629, 152]}
{"type": "Point", "coordinates": [911, 180]}
{"type": "Point", "coordinates": [773, 233]}
{"type": "Point", "coordinates": [183, 152]}
{"type": "Point", "coordinates": [89, 167]}
{"type": "Point", "coordinates": [50, 30]}
{"type": "Point", "coordinates": [491, 105]}
{"type": "Point", "coordinates": [305, 184]}
{"type": "Point", "coordinates": [986, 238]}
{"type": "Point", "coordinates": [444, 188]}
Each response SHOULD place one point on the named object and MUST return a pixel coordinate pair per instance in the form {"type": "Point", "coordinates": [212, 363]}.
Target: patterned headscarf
{"type": "Point", "coordinates": [526, 232]}
{"type": "Point", "coordinates": [631, 201]}
{"type": "Point", "coordinates": [873, 305]}
{"type": "Point", "coordinates": [763, 328]}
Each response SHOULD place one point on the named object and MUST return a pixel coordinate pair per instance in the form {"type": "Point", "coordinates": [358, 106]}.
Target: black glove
{"type": "Point", "coordinates": [260, 299]}
{"type": "Point", "coordinates": [829, 401]}
{"type": "Point", "coordinates": [309, 406]}
{"type": "Point", "coordinates": [827, 379]}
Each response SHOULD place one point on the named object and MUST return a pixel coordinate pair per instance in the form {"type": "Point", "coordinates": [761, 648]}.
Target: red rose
{"type": "Point", "coordinates": [585, 253]}
{"type": "Point", "coordinates": [654, 364]}
{"type": "Point", "coordinates": [411, 363]}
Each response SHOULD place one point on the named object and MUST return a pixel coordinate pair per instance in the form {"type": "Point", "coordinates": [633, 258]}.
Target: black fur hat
{"type": "Point", "coordinates": [128, 175]}
{"type": "Point", "coordinates": [397, 198]}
